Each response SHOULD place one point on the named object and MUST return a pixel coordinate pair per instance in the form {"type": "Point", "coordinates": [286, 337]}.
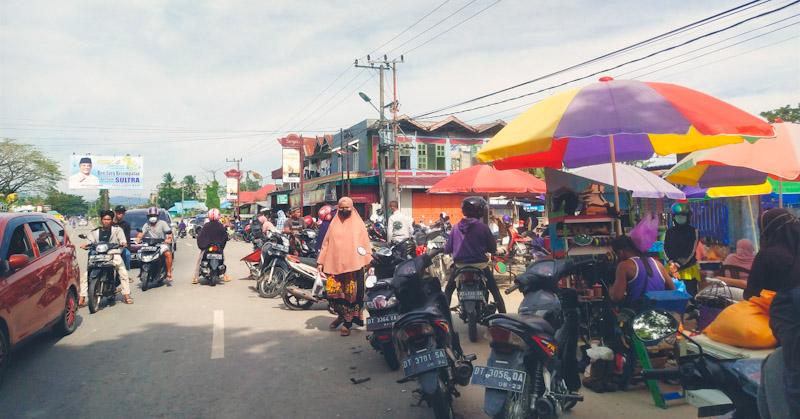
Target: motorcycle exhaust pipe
{"type": "Point", "coordinates": [222, 268]}
{"type": "Point", "coordinates": [302, 294]}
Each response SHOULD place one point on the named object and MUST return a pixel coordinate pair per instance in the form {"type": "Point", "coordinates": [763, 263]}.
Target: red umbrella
{"type": "Point", "coordinates": [486, 180]}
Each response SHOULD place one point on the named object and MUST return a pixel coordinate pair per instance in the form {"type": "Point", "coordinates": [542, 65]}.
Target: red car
{"type": "Point", "coordinates": [39, 279]}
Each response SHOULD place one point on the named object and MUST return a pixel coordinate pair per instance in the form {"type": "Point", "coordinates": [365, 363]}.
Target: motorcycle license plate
{"type": "Point", "coordinates": [148, 249]}
{"type": "Point", "coordinates": [381, 322]}
{"type": "Point", "coordinates": [472, 295]}
{"type": "Point", "coordinates": [213, 256]}
{"type": "Point", "coordinates": [424, 361]}
{"type": "Point", "coordinates": [499, 378]}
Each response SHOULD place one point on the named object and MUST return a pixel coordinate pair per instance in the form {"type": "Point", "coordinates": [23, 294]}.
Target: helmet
{"type": "Point", "coordinates": [119, 208]}
{"type": "Point", "coordinates": [474, 207]}
{"type": "Point", "coordinates": [325, 213]}
{"type": "Point", "coordinates": [680, 208]}
{"type": "Point", "coordinates": [507, 219]}
{"type": "Point", "coordinates": [152, 211]}
{"type": "Point", "coordinates": [308, 220]}
{"type": "Point", "coordinates": [213, 214]}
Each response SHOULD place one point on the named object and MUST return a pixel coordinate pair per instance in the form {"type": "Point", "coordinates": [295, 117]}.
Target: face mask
{"type": "Point", "coordinates": [681, 219]}
{"type": "Point", "coordinates": [152, 220]}
{"type": "Point", "coordinates": [345, 213]}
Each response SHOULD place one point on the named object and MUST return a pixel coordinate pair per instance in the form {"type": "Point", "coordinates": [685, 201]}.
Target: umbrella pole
{"type": "Point", "coordinates": [780, 193]}
{"type": "Point", "coordinates": [752, 221]}
{"type": "Point", "coordinates": [617, 224]}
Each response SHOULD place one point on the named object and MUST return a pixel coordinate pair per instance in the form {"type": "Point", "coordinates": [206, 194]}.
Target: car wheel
{"type": "Point", "coordinates": [5, 352]}
{"type": "Point", "coordinates": [69, 318]}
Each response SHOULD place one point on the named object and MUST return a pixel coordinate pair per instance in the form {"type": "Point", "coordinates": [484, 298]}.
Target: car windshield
{"type": "Point", "coordinates": [138, 218]}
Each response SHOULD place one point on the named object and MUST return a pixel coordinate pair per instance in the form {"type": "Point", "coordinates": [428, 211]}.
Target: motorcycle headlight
{"type": "Point", "coordinates": [147, 258]}
{"type": "Point", "coordinates": [101, 248]}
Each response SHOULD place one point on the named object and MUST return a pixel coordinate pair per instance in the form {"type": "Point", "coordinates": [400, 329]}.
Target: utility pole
{"type": "Point", "coordinates": [238, 178]}
{"type": "Point", "coordinates": [383, 64]}
{"type": "Point", "coordinates": [394, 131]}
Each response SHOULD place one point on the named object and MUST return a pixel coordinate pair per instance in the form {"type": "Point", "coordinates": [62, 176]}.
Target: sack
{"type": "Point", "coordinates": [745, 324]}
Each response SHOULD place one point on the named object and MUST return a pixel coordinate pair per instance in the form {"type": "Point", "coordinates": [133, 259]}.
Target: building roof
{"type": "Point", "coordinates": [254, 196]}
{"type": "Point", "coordinates": [450, 123]}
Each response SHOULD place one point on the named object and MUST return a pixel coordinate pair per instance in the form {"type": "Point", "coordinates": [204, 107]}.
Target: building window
{"type": "Point", "coordinates": [422, 156]}
{"type": "Point", "coordinates": [440, 157]}
{"type": "Point", "coordinates": [405, 157]}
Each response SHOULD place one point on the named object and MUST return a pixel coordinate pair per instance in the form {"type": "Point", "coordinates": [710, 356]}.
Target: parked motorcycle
{"type": "Point", "coordinates": [304, 284]}
{"type": "Point", "coordinates": [424, 338]}
{"type": "Point", "coordinates": [153, 269]}
{"type": "Point", "coordinates": [101, 273]}
{"type": "Point", "coordinates": [212, 266]}
{"type": "Point", "coordinates": [272, 269]}
{"type": "Point", "coordinates": [532, 370]}
{"type": "Point", "coordinates": [381, 302]}
{"type": "Point", "coordinates": [737, 379]}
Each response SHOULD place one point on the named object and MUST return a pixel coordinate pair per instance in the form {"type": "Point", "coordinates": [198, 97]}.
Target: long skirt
{"type": "Point", "coordinates": [345, 294]}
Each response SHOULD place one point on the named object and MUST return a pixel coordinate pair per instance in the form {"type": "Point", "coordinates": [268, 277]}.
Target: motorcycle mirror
{"type": "Point", "coordinates": [652, 326]}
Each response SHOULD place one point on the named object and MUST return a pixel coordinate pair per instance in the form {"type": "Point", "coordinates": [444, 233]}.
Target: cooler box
{"type": "Point", "coordinates": [672, 301]}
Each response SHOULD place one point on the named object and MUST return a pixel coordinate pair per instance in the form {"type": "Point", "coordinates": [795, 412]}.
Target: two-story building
{"type": "Point", "coordinates": [346, 163]}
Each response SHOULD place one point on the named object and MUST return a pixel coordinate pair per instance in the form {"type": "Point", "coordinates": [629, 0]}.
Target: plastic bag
{"type": "Point", "coordinates": [645, 233]}
{"type": "Point", "coordinates": [600, 352]}
{"type": "Point", "coordinates": [745, 324]}
{"type": "Point", "coordinates": [679, 285]}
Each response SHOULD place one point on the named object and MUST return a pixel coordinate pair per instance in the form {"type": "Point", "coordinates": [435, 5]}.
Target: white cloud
{"type": "Point", "coordinates": [221, 67]}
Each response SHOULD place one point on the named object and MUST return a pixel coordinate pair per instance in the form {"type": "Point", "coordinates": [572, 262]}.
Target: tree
{"type": "Point", "coordinates": [103, 202]}
{"type": "Point", "coordinates": [168, 193]}
{"type": "Point", "coordinates": [250, 183]}
{"type": "Point", "coordinates": [66, 204]}
{"type": "Point", "coordinates": [167, 180]}
{"type": "Point", "coordinates": [23, 168]}
{"type": "Point", "coordinates": [786, 113]}
{"type": "Point", "coordinates": [212, 194]}
{"type": "Point", "coordinates": [190, 187]}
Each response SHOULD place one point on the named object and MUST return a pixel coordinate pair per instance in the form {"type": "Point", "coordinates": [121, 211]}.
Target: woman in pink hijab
{"type": "Point", "coordinates": [346, 250]}
{"type": "Point", "coordinates": [742, 258]}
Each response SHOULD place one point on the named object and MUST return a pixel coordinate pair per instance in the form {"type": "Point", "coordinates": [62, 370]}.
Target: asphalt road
{"type": "Point", "coordinates": [193, 351]}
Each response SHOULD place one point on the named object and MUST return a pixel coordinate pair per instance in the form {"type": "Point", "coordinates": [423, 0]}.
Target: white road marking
{"type": "Point", "coordinates": [218, 337]}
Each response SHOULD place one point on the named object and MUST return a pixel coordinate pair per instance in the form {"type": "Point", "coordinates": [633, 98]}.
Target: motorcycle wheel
{"type": "Point", "coordinates": [212, 281]}
{"type": "Point", "coordinates": [517, 405]}
{"type": "Point", "coordinates": [95, 293]}
{"type": "Point", "coordinates": [442, 403]}
{"type": "Point", "coordinates": [561, 388]}
{"type": "Point", "coordinates": [472, 324]}
{"type": "Point", "coordinates": [294, 303]}
{"type": "Point", "coordinates": [145, 281]}
{"type": "Point", "coordinates": [272, 286]}
{"type": "Point", "coordinates": [390, 355]}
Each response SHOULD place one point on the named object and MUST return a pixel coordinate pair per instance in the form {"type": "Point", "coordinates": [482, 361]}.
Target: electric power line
{"type": "Point", "coordinates": [603, 56]}
{"type": "Point", "coordinates": [451, 28]}
{"type": "Point", "coordinates": [408, 27]}
{"type": "Point", "coordinates": [605, 70]}
{"type": "Point", "coordinates": [408, 41]}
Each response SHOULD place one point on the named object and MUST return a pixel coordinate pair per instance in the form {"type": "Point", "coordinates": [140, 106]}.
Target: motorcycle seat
{"type": "Point", "coordinates": [426, 313]}
{"type": "Point", "coordinates": [308, 261]}
{"type": "Point", "coordinates": [536, 324]}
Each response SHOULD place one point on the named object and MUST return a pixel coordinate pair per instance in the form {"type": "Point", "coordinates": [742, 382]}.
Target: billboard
{"type": "Point", "coordinates": [105, 172]}
{"type": "Point", "coordinates": [291, 165]}
{"type": "Point", "coordinates": [231, 189]}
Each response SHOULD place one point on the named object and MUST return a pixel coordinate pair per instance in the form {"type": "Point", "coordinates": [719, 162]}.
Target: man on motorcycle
{"type": "Point", "coordinates": [111, 234]}
{"type": "Point", "coordinates": [159, 229]}
{"type": "Point", "coordinates": [212, 233]}
{"type": "Point", "coordinates": [181, 227]}
{"type": "Point", "coordinates": [469, 242]}
{"type": "Point", "coordinates": [401, 226]}
{"type": "Point", "coordinates": [119, 221]}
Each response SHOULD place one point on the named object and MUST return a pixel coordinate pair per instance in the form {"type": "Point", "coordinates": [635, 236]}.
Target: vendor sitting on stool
{"type": "Point", "coordinates": [636, 274]}
{"type": "Point", "coordinates": [680, 245]}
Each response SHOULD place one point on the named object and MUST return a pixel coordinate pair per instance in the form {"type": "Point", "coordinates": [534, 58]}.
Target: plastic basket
{"type": "Point", "coordinates": [672, 301]}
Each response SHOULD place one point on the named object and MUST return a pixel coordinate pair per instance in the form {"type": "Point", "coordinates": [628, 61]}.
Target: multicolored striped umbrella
{"type": "Point", "coordinates": [630, 118]}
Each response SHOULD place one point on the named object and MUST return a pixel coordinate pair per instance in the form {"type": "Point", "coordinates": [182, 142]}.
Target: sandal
{"type": "Point", "coordinates": [195, 281]}
{"type": "Point", "coordinates": [344, 331]}
{"type": "Point", "coordinates": [127, 299]}
{"type": "Point", "coordinates": [82, 302]}
{"type": "Point", "coordinates": [335, 323]}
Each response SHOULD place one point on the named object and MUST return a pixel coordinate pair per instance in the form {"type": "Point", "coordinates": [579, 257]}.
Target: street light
{"type": "Point", "coordinates": [368, 100]}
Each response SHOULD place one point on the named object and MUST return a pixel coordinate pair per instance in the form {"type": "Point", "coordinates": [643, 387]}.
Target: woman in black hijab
{"type": "Point", "coordinates": [774, 264]}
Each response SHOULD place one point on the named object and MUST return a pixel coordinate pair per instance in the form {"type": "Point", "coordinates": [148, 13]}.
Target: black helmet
{"type": "Point", "coordinates": [120, 208]}
{"type": "Point", "coordinates": [474, 207]}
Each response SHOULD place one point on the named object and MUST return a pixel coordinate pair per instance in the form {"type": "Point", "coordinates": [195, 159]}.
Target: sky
{"type": "Point", "coordinates": [187, 84]}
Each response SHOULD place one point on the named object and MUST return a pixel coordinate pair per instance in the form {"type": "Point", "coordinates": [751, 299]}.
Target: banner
{"type": "Point", "coordinates": [291, 165]}
{"type": "Point", "coordinates": [231, 189]}
{"type": "Point", "coordinates": [105, 172]}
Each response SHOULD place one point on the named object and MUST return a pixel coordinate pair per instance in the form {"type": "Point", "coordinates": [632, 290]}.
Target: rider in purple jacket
{"type": "Point", "coordinates": [469, 243]}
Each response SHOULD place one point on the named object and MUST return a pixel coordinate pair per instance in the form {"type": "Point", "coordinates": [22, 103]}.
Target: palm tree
{"type": "Point", "coordinates": [167, 181]}
{"type": "Point", "coordinates": [190, 186]}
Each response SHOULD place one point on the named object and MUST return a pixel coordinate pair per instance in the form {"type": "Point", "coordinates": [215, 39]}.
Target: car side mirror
{"type": "Point", "coordinates": [17, 261]}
